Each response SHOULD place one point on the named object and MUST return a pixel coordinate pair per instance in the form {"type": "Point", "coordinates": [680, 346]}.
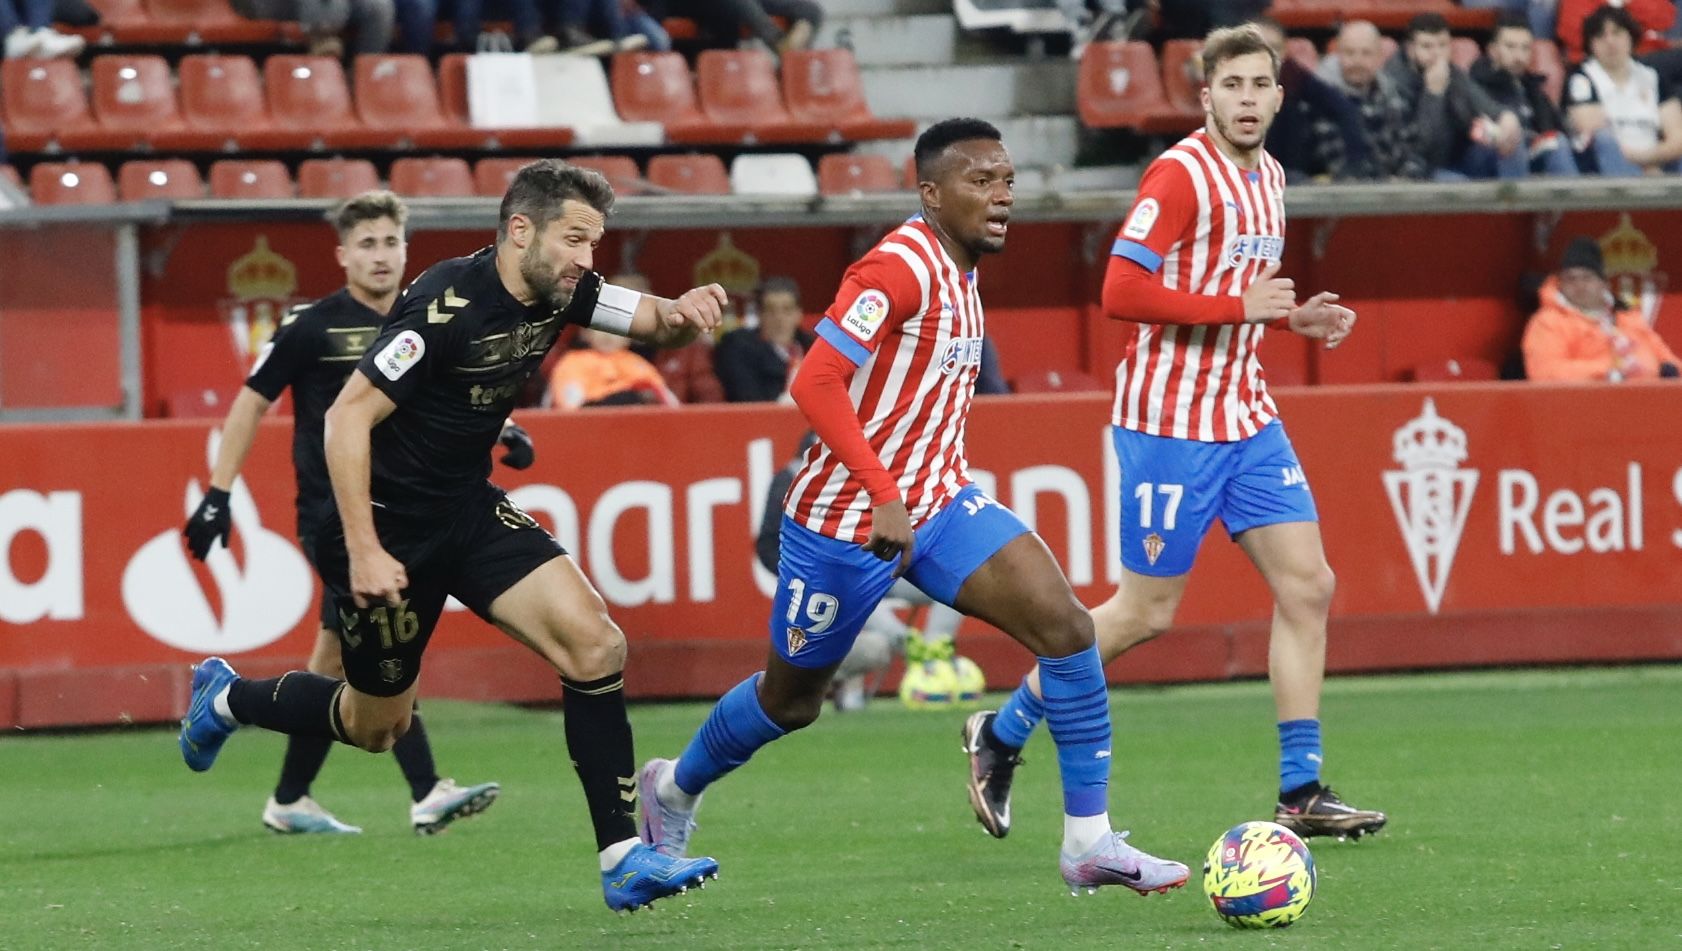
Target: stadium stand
{"type": "Point", "coordinates": [842, 174]}
{"type": "Point", "coordinates": [337, 178]}
{"type": "Point", "coordinates": [71, 183]}
{"type": "Point", "coordinates": [44, 103]}
{"type": "Point", "coordinates": [740, 88]}
{"type": "Point", "coordinates": [779, 175]}
{"type": "Point", "coordinates": [168, 179]}
{"type": "Point", "coordinates": [621, 171]}
{"type": "Point", "coordinates": [133, 102]}
{"type": "Point", "coordinates": [693, 173]}
{"type": "Point", "coordinates": [432, 177]}
{"type": "Point", "coordinates": [452, 88]}
{"type": "Point", "coordinates": [398, 94]}
{"type": "Point", "coordinates": [222, 104]}
{"type": "Point", "coordinates": [1120, 85]}
{"type": "Point", "coordinates": [1457, 370]}
{"type": "Point", "coordinates": [824, 87]}
{"type": "Point", "coordinates": [658, 87]}
{"type": "Point", "coordinates": [246, 179]}
{"type": "Point", "coordinates": [1181, 81]}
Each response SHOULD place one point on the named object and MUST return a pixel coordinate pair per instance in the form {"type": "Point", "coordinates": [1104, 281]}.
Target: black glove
{"type": "Point", "coordinates": [210, 521]}
{"type": "Point", "coordinates": [1668, 369]}
{"type": "Point", "coordinates": [520, 454]}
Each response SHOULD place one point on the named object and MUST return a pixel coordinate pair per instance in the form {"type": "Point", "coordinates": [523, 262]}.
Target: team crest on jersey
{"type": "Point", "coordinates": [866, 315]}
{"type": "Point", "coordinates": [1153, 547]}
{"type": "Point", "coordinates": [1139, 223]}
{"type": "Point", "coordinates": [391, 670]}
{"type": "Point", "coordinates": [961, 353]}
{"type": "Point", "coordinates": [1268, 247]}
{"type": "Point", "coordinates": [403, 352]}
{"type": "Point", "coordinates": [796, 639]}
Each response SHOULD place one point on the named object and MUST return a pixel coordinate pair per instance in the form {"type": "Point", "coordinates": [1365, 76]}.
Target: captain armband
{"type": "Point", "coordinates": [615, 306]}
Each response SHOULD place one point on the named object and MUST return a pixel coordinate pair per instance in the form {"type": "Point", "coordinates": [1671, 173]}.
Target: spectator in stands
{"type": "Point", "coordinates": [1503, 71]}
{"type": "Point", "coordinates": [756, 364]}
{"type": "Point", "coordinates": [604, 372]}
{"type": "Point", "coordinates": [1193, 19]}
{"type": "Point", "coordinates": [1648, 22]}
{"type": "Point", "coordinates": [722, 22]}
{"type": "Point", "coordinates": [1582, 335]}
{"type": "Point", "coordinates": [327, 22]}
{"type": "Point", "coordinates": [605, 27]}
{"type": "Point", "coordinates": [1537, 14]}
{"type": "Point", "coordinates": [1387, 114]}
{"type": "Point", "coordinates": [1463, 131]}
{"type": "Point", "coordinates": [1625, 115]}
{"type": "Point", "coordinates": [25, 25]}
{"type": "Point", "coordinates": [1317, 133]}
{"type": "Point", "coordinates": [469, 21]}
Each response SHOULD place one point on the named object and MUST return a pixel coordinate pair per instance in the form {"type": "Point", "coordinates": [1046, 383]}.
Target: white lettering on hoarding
{"type": "Point", "coordinates": [57, 594]}
{"type": "Point", "coordinates": [660, 584]}
{"type": "Point", "coordinates": [1603, 522]}
{"type": "Point", "coordinates": [1026, 485]}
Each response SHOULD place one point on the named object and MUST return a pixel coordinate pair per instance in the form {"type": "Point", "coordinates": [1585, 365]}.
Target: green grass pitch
{"type": "Point", "coordinates": [1528, 810]}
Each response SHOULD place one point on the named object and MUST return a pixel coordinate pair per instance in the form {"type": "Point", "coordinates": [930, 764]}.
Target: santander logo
{"type": "Point", "coordinates": [261, 600]}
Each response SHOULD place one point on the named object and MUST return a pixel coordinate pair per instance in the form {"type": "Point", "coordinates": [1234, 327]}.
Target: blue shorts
{"type": "Point", "coordinates": [1172, 489]}
{"type": "Point", "coordinates": [826, 588]}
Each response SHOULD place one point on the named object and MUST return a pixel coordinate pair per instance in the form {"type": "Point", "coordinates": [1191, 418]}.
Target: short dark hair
{"type": "Point", "coordinates": [1432, 23]}
{"type": "Point", "coordinates": [1511, 20]}
{"type": "Point", "coordinates": [538, 190]}
{"type": "Point", "coordinates": [937, 138]}
{"type": "Point", "coordinates": [777, 284]}
{"type": "Point", "coordinates": [1231, 42]}
{"type": "Point", "coordinates": [1595, 23]}
{"type": "Point", "coordinates": [368, 206]}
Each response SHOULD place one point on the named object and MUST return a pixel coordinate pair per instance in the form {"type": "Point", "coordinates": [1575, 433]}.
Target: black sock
{"type": "Point", "coordinates": [297, 702]}
{"type": "Point", "coordinates": [1301, 793]}
{"type": "Point", "coordinates": [994, 743]}
{"type": "Point", "coordinates": [414, 758]}
{"type": "Point", "coordinates": [304, 756]}
{"type": "Point", "coordinates": [598, 735]}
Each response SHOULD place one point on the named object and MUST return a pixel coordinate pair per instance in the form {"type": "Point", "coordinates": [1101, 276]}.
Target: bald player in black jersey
{"type": "Point", "coordinates": [408, 450]}
{"type": "Point", "coordinates": [313, 351]}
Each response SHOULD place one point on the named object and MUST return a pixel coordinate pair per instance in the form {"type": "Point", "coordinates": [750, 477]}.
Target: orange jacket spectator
{"type": "Point", "coordinates": [1578, 335]}
{"type": "Point", "coordinates": [606, 373]}
{"type": "Point", "coordinates": [1653, 16]}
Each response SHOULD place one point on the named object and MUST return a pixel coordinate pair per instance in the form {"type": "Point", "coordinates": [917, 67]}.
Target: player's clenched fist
{"type": "Point", "coordinates": [377, 578]}
{"type": "Point", "coordinates": [1323, 318]}
{"type": "Point", "coordinates": [1270, 297]}
{"type": "Point", "coordinates": [700, 307]}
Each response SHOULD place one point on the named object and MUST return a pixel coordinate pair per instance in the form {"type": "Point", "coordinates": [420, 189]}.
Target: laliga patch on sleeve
{"type": "Point", "coordinates": [1140, 222]}
{"type": "Point", "coordinates": [262, 356]}
{"type": "Point", "coordinates": [866, 315]}
{"type": "Point", "coordinates": [403, 352]}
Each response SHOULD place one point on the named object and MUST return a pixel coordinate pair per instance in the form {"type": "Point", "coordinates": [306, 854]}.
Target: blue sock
{"type": "Point", "coordinates": [733, 732]}
{"type": "Point", "coordinates": [1077, 710]}
{"type": "Point", "coordinates": [1016, 720]}
{"type": "Point", "coordinates": [1299, 753]}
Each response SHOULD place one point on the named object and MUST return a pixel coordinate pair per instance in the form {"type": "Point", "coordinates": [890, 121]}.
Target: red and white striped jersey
{"type": "Point", "coordinates": [1203, 225]}
{"type": "Point", "coordinates": [912, 322]}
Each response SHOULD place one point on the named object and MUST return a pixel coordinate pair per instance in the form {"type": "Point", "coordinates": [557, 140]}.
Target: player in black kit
{"type": "Point", "coordinates": [408, 444]}
{"type": "Point", "coordinates": [313, 351]}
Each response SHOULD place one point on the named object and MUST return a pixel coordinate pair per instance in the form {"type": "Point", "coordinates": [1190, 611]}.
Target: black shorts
{"type": "Point", "coordinates": [480, 548]}
{"type": "Point", "coordinates": [308, 539]}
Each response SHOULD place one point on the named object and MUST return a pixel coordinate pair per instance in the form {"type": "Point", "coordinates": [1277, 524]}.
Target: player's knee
{"type": "Point", "coordinates": [600, 653]}
{"type": "Point", "coordinates": [1063, 628]}
{"type": "Point", "coordinates": [1309, 592]}
{"type": "Point", "coordinates": [793, 713]}
{"type": "Point", "coordinates": [377, 734]}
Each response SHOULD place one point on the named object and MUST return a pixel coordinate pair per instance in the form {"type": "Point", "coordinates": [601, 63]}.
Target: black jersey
{"type": "Point", "coordinates": [314, 351]}
{"type": "Point", "coordinates": [453, 359]}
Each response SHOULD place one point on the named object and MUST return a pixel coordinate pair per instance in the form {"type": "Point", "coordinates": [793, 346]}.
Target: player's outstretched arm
{"type": "Point", "coordinates": [374, 574]}
{"type": "Point", "coordinates": [675, 322]}
{"type": "Point", "coordinates": [211, 522]}
{"type": "Point", "coordinates": [1131, 292]}
{"type": "Point", "coordinates": [1323, 318]}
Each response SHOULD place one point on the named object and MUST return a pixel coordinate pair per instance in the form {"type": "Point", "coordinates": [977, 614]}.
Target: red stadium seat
{"type": "Point", "coordinates": [1457, 370]}
{"type": "Point", "coordinates": [621, 171]}
{"type": "Point", "coordinates": [72, 183]}
{"type": "Point", "coordinates": [658, 87]}
{"type": "Point", "coordinates": [452, 89]}
{"type": "Point", "coordinates": [222, 107]}
{"type": "Point", "coordinates": [10, 174]}
{"type": "Point", "coordinates": [232, 178]}
{"type": "Point", "coordinates": [399, 93]}
{"type": "Point", "coordinates": [168, 180]}
{"type": "Point", "coordinates": [823, 86]}
{"type": "Point", "coordinates": [1385, 14]}
{"type": "Point", "coordinates": [692, 174]}
{"type": "Point", "coordinates": [910, 180]}
{"type": "Point", "coordinates": [739, 87]}
{"type": "Point", "coordinates": [856, 174]}
{"type": "Point", "coordinates": [492, 176]}
{"type": "Point", "coordinates": [1059, 381]}
{"type": "Point", "coordinates": [43, 101]}
{"type": "Point", "coordinates": [1182, 81]}
{"type": "Point", "coordinates": [1120, 85]}
{"type": "Point", "coordinates": [336, 178]}
{"type": "Point", "coordinates": [134, 101]}
{"type": "Point", "coordinates": [432, 178]}
{"type": "Point", "coordinates": [1545, 59]}
{"type": "Point", "coordinates": [308, 97]}
{"type": "Point", "coordinates": [195, 22]}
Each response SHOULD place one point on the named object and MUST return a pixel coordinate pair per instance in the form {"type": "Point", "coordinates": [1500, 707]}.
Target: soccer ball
{"type": "Point", "coordinates": [972, 683]}
{"type": "Point", "coordinates": [1259, 875]}
{"type": "Point", "coordinates": [928, 685]}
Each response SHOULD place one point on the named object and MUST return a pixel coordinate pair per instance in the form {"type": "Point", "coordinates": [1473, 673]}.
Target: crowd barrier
{"type": "Point", "coordinates": [1469, 525]}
